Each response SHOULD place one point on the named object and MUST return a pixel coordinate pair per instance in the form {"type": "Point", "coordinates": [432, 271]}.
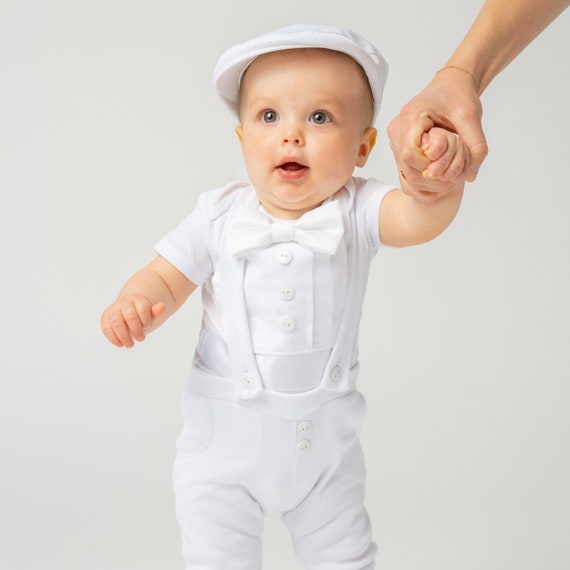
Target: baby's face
{"type": "Point", "coordinates": [305, 118]}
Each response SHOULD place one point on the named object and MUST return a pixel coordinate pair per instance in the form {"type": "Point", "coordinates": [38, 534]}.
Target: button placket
{"type": "Point", "coordinates": [287, 323]}
{"type": "Point", "coordinates": [285, 256]}
{"type": "Point", "coordinates": [304, 428]}
{"type": "Point", "coordinates": [286, 292]}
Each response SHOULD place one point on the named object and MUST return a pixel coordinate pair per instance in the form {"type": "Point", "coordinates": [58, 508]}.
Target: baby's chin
{"type": "Point", "coordinates": [291, 209]}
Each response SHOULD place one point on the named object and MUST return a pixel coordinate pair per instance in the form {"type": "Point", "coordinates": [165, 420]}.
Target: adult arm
{"type": "Point", "coordinates": [500, 32]}
{"type": "Point", "coordinates": [502, 29]}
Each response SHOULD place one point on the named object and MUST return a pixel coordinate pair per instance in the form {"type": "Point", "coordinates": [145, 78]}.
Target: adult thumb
{"type": "Point", "coordinates": [471, 133]}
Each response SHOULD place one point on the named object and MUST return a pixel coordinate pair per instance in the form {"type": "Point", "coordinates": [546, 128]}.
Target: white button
{"type": "Point", "coordinates": [286, 292]}
{"type": "Point", "coordinates": [336, 374]}
{"type": "Point", "coordinates": [303, 445]}
{"type": "Point", "coordinates": [285, 257]}
{"type": "Point", "coordinates": [246, 379]}
{"type": "Point", "coordinates": [287, 323]}
{"type": "Point", "coordinates": [305, 427]}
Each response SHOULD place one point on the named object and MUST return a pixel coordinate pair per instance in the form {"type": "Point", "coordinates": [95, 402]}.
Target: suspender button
{"type": "Point", "coordinates": [246, 379]}
{"type": "Point", "coordinates": [336, 374]}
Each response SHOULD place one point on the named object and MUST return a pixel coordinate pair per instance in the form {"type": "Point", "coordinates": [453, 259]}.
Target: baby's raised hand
{"type": "Point", "coordinates": [447, 154]}
{"type": "Point", "coordinates": [129, 319]}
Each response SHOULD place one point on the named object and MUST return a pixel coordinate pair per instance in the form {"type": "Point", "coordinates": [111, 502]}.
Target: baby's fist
{"type": "Point", "coordinates": [129, 319]}
{"type": "Point", "coordinates": [447, 153]}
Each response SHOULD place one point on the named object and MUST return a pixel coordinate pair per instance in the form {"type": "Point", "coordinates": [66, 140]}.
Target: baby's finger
{"type": "Point", "coordinates": [133, 321]}
{"type": "Point", "coordinates": [453, 165]}
{"type": "Point", "coordinates": [120, 330]}
{"type": "Point", "coordinates": [158, 310]}
{"type": "Point", "coordinates": [109, 332]}
{"type": "Point", "coordinates": [440, 150]}
{"type": "Point", "coordinates": [458, 167]}
{"type": "Point", "coordinates": [144, 313]}
{"type": "Point", "coordinates": [436, 169]}
{"type": "Point", "coordinates": [434, 144]}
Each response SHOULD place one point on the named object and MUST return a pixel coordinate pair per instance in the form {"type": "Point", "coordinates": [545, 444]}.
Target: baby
{"type": "Point", "coordinates": [271, 411]}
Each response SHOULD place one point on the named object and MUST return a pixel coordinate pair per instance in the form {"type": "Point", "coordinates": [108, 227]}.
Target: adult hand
{"type": "Point", "coordinates": [446, 155]}
{"type": "Point", "coordinates": [449, 101]}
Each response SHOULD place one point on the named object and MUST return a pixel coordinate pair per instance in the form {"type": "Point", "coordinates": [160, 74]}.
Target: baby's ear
{"type": "Point", "coordinates": [367, 142]}
{"type": "Point", "coordinates": [239, 133]}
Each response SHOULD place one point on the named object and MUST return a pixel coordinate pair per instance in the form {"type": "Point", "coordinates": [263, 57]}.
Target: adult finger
{"type": "Point", "coordinates": [405, 136]}
{"type": "Point", "coordinates": [415, 185]}
{"type": "Point", "coordinates": [470, 130]}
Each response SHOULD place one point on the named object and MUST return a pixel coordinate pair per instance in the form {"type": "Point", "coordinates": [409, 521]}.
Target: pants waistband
{"type": "Point", "coordinates": [287, 405]}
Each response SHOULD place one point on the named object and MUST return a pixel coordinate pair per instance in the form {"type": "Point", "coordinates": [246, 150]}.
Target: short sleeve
{"type": "Point", "coordinates": [187, 245]}
{"type": "Point", "coordinates": [368, 198]}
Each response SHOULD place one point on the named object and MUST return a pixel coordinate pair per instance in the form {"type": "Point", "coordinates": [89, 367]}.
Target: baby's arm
{"type": "Point", "coordinates": [413, 219]}
{"type": "Point", "coordinates": [148, 298]}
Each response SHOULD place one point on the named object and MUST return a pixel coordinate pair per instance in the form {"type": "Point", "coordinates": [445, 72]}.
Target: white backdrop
{"type": "Point", "coordinates": [109, 129]}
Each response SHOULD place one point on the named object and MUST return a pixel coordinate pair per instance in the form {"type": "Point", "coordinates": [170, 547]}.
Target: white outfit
{"type": "Point", "coordinates": [271, 413]}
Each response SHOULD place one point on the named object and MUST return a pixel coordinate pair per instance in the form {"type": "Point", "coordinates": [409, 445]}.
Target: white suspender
{"type": "Point", "coordinates": [338, 378]}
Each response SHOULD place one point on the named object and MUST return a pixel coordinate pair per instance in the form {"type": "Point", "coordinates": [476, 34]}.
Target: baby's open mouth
{"type": "Point", "coordinates": [291, 166]}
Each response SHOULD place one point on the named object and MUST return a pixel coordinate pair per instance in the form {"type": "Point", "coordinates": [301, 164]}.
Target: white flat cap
{"type": "Point", "coordinates": [233, 63]}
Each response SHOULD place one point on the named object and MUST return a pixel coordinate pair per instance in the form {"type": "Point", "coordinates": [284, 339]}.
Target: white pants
{"type": "Point", "coordinates": [236, 464]}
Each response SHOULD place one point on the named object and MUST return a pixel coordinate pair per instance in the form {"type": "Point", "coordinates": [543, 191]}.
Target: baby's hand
{"type": "Point", "coordinates": [129, 318]}
{"type": "Point", "coordinates": [447, 153]}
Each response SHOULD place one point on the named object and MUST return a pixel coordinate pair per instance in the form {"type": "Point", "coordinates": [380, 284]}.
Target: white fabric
{"type": "Point", "coordinates": [271, 415]}
{"type": "Point", "coordinates": [320, 283]}
{"type": "Point", "coordinates": [236, 465]}
{"type": "Point", "coordinates": [233, 63]}
{"type": "Point", "coordinates": [308, 273]}
{"type": "Point", "coordinates": [319, 230]}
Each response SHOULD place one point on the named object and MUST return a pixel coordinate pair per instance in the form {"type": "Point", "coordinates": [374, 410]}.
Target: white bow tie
{"type": "Point", "coordinates": [319, 230]}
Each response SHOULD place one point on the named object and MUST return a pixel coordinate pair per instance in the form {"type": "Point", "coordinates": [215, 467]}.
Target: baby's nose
{"type": "Point", "coordinates": [292, 136]}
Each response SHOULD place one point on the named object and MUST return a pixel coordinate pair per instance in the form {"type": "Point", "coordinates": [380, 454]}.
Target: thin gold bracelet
{"type": "Point", "coordinates": [475, 82]}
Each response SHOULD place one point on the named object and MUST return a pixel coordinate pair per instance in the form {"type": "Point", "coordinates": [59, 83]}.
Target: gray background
{"type": "Point", "coordinates": [110, 129]}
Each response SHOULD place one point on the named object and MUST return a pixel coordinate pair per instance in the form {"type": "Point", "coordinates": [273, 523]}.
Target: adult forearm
{"type": "Point", "coordinates": [500, 32]}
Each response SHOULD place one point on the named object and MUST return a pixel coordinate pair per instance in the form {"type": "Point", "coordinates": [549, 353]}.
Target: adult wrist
{"type": "Point", "coordinates": [458, 68]}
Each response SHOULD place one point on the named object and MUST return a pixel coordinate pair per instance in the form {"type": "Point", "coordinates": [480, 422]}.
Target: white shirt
{"type": "Point", "coordinates": [294, 298]}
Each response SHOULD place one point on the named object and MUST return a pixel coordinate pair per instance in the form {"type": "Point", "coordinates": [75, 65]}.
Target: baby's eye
{"type": "Point", "coordinates": [320, 118]}
{"type": "Point", "coordinates": [269, 116]}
